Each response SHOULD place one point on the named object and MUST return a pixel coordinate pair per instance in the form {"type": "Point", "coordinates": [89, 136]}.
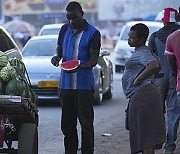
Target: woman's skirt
{"type": "Point", "coordinates": [146, 119]}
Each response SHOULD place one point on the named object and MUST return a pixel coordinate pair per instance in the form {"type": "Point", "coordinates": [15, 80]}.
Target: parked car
{"type": "Point", "coordinates": [50, 29]}
{"type": "Point", "coordinates": [8, 45]}
{"type": "Point", "coordinates": [122, 50]}
{"type": "Point", "coordinates": [44, 77]}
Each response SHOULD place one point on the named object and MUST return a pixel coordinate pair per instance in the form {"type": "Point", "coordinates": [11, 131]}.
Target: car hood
{"type": "Point", "coordinates": [40, 65]}
{"type": "Point", "coordinates": [123, 45]}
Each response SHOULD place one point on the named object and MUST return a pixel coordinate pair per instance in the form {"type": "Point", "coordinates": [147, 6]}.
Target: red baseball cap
{"type": "Point", "coordinates": [169, 15]}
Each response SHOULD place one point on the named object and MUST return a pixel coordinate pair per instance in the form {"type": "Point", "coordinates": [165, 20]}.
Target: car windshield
{"type": "Point", "coordinates": [151, 30]}
{"type": "Point", "coordinates": [46, 47]}
{"type": "Point", "coordinates": [50, 32]}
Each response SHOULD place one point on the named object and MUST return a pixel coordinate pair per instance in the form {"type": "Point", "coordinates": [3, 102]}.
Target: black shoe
{"type": "Point", "coordinates": [168, 151]}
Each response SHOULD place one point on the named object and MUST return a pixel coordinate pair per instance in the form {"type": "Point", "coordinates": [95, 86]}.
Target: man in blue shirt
{"type": "Point", "coordinates": [77, 40]}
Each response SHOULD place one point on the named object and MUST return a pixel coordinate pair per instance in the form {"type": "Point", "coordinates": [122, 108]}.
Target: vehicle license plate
{"type": "Point", "coordinates": [48, 84]}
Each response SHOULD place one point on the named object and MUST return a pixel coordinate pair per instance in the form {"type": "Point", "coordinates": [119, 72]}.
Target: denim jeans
{"type": "Point", "coordinates": [167, 87]}
{"type": "Point", "coordinates": [173, 118]}
{"type": "Point", "coordinates": [178, 98]}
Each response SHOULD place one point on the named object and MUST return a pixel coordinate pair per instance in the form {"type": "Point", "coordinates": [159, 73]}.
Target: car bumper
{"type": "Point", "coordinates": [46, 93]}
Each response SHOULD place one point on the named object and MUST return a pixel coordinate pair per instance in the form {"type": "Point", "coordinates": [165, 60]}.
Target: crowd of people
{"type": "Point", "coordinates": [151, 83]}
{"type": "Point", "coordinates": [166, 79]}
{"type": "Point", "coordinates": [149, 80]}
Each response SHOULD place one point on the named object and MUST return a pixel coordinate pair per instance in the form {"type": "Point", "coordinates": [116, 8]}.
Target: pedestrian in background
{"type": "Point", "coordinates": [145, 115]}
{"type": "Point", "coordinates": [172, 51]}
{"type": "Point", "coordinates": [166, 79]}
{"type": "Point", "coordinates": [77, 40]}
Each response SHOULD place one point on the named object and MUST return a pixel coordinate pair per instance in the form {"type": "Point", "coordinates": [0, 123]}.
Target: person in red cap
{"type": "Point", "coordinates": [166, 79]}
{"type": "Point", "coordinates": [169, 15]}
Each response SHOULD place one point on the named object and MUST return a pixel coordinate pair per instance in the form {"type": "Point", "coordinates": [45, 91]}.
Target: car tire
{"type": "Point", "coordinates": [99, 93]}
{"type": "Point", "coordinates": [119, 69]}
{"type": "Point", "coordinates": [28, 131]}
{"type": "Point", "coordinates": [109, 93]}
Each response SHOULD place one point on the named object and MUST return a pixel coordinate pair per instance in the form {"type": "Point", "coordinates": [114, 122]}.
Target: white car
{"type": "Point", "coordinates": [122, 49]}
{"type": "Point", "coordinates": [44, 77]}
{"type": "Point", "coordinates": [50, 29]}
{"type": "Point", "coordinates": [8, 45]}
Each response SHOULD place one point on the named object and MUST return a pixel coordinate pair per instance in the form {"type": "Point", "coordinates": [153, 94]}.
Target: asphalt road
{"type": "Point", "coordinates": [108, 115]}
{"type": "Point", "coordinates": [110, 134]}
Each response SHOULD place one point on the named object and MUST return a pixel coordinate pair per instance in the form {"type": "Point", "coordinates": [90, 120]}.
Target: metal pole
{"type": "Point", "coordinates": [1, 9]}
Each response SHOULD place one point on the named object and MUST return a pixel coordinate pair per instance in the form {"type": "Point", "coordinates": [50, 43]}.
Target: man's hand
{"type": "Point", "coordinates": [73, 71]}
{"type": "Point", "coordinates": [55, 61]}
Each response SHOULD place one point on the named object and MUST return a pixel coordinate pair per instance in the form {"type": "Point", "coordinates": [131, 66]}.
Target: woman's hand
{"type": "Point", "coordinates": [137, 81]}
{"type": "Point", "coordinates": [150, 69]}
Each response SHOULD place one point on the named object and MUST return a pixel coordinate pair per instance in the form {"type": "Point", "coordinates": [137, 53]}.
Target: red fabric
{"type": "Point", "coordinates": [169, 15]}
{"type": "Point", "coordinates": [173, 49]}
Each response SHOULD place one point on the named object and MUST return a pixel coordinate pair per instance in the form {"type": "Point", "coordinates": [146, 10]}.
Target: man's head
{"type": "Point", "coordinates": [138, 35]}
{"type": "Point", "coordinates": [75, 14]}
{"type": "Point", "coordinates": [169, 15]}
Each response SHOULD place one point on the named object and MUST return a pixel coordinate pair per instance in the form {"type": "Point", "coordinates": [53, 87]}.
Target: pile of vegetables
{"type": "Point", "coordinates": [13, 79]}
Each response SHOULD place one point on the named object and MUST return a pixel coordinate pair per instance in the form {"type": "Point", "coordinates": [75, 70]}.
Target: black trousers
{"type": "Point", "coordinates": [77, 104]}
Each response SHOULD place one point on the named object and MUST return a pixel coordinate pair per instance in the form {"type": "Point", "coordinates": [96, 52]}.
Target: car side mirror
{"type": "Point", "coordinates": [104, 52]}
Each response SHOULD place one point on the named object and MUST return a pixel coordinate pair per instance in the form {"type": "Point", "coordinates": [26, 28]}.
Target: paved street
{"type": "Point", "coordinates": [110, 134]}
{"type": "Point", "coordinates": [118, 142]}
{"type": "Point", "coordinates": [109, 119]}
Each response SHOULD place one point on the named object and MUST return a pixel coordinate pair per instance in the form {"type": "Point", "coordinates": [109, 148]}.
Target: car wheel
{"type": "Point", "coordinates": [108, 94]}
{"type": "Point", "coordinates": [119, 69]}
{"type": "Point", "coordinates": [28, 131]}
{"type": "Point", "coordinates": [98, 93]}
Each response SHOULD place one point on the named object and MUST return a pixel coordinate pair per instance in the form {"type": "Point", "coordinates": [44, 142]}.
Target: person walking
{"type": "Point", "coordinates": [145, 113]}
{"type": "Point", "coordinates": [172, 51]}
{"type": "Point", "coordinates": [166, 79]}
{"type": "Point", "coordinates": [77, 40]}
